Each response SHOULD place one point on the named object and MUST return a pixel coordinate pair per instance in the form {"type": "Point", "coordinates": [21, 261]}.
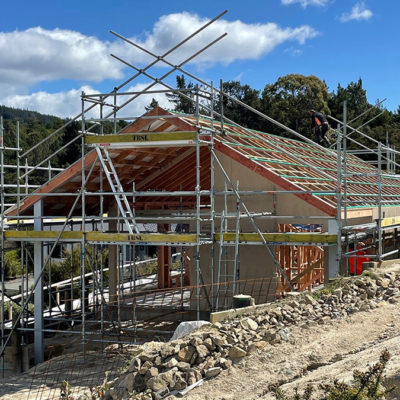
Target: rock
{"type": "Point", "coordinates": [284, 334]}
{"type": "Point", "coordinates": [167, 351]}
{"type": "Point", "coordinates": [224, 363]}
{"type": "Point", "coordinates": [173, 362]}
{"type": "Point", "coordinates": [219, 341]}
{"type": "Point", "coordinates": [158, 361]}
{"type": "Point", "coordinates": [209, 344]}
{"type": "Point", "coordinates": [184, 328]}
{"type": "Point", "coordinates": [161, 394]}
{"type": "Point", "coordinates": [389, 291]}
{"type": "Point", "coordinates": [365, 307]}
{"type": "Point", "coordinates": [292, 294]}
{"type": "Point", "coordinates": [383, 282]}
{"type": "Point", "coordinates": [128, 382]}
{"type": "Point", "coordinates": [338, 293]}
{"type": "Point", "coordinates": [196, 341]}
{"type": "Point", "coordinates": [309, 300]}
{"type": "Point", "coordinates": [192, 372]}
{"type": "Point", "coordinates": [273, 321]}
{"type": "Point", "coordinates": [210, 363]}
{"type": "Point", "coordinates": [180, 382]}
{"type": "Point", "coordinates": [140, 383]}
{"type": "Point", "coordinates": [145, 367]}
{"type": "Point", "coordinates": [157, 383]}
{"type": "Point", "coordinates": [390, 275]}
{"type": "Point", "coordinates": [153, 371]}
{"type": "Point", "coordinates": [186, 353]}
{"type": "Point", "coordinates": [148, 356]}
{"type": "Point", "coordinates": [360, 283]}
{"type": "Point", "coordinates": [213, 372]}
{"type": "Point", "coordinates": [135, 364]}
{"type": "Point", "coordinates": [272, 337]}
{"type": "Point", "coordinates": [363, 296]}
{"type": "Point", "coordinates": [202, 351]}
{"type": "Point", "coordinates": [183, 366]}
{"type": "Point", "coordinates": [249, 324]}
{"type": "Point", "coordinates": [236, 352]}
{"type": "Point", "coordinates": [168, 377]}
{"type": "Point", "coordinates": [295, 304]}
{"type": "Point", "coordinates": [257, 346]}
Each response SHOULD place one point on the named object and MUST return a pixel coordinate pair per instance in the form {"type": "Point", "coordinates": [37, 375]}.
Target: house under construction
{"type": "Point", "coordinates": [244, 212]}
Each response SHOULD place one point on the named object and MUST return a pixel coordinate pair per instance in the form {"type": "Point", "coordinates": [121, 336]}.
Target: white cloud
{"type": "Point", "coordinates": [358, 12]}
{"type": "Point", "coordinates": [305, 3]}
{"type": "Point", "coordinates": [38, 55]}
{"type": "Point", "coordinates": [68, 104]}
{"type": "Point", "coordinates": [244, 41]}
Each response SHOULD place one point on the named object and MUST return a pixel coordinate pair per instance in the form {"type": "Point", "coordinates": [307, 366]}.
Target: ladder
{"type": "Point", "coordinates": [117, 189]}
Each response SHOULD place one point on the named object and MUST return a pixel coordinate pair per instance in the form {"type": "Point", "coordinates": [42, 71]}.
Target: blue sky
{"type": "Point", "coordinates": [52, 50]}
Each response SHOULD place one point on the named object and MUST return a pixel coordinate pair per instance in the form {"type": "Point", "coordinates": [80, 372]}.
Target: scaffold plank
{"type": "Point", "coordinates": [101, 237]}
{"type": "Point", "coordinates": [171, 238]}
{"type": "Point", "coordinates": [390, 221]}
{"type": "Point", "coordinates": [140, 238]}
{"type": "Point", "coordinates": [42, 235]}
{"type": "Point", "coordinates": [290, 237]}
{"type": "Point", "coordinates": [140, 138]}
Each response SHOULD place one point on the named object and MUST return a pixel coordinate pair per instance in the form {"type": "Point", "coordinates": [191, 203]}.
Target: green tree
{"type": "Point", "coordinates": [153, 104]}
{"type": "Point", "coordinates": [356, 97]}
{"type": "Point", "coordinates": [182, 103]}
{"type": "Point", "coordinates": [289, 100]}
{"type": "Point", "coordinates": [236, 112]}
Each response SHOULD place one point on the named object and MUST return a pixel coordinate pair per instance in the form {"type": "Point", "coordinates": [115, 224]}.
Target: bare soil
{"type": "Point", "coordinates": [314, 355]}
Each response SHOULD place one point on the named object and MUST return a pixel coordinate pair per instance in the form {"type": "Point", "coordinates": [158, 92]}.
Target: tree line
{"type": "Point", "coordinates": [288, 101]}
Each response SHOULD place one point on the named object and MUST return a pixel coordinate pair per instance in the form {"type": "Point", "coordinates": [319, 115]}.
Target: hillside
{"type": "Point", "coordinates": [10, 113]}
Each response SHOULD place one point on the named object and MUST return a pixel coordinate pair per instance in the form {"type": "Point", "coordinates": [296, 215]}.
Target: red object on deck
{"type": "Point", "coordinates": [358, 261]}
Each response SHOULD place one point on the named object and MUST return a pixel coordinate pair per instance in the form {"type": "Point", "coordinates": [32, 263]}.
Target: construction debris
{"type": "Point", "coordinates": [212, 349]}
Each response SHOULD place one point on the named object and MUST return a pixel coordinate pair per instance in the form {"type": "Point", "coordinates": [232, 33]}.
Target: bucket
{"type": "Point", "coordinates": [241, 300]}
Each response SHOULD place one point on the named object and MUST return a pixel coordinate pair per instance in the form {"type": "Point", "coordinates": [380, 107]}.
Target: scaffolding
{"type": "Point", "coordinates": [107, 209]}
{"type": "Point", "coordinates": [382, 232]}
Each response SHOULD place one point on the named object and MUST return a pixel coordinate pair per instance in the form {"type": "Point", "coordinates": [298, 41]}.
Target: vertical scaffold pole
{"type": "Point", "coordinates": [221, 105]}
{"type": "Point", "coordinates": [26, 176]}
{"type": "Point", "coordinates": [344, 180]}
{"type": "Point", "coordinates": [212, 196]}
{"type": "Point", "coordinates": [345, 161]}
{"type": "Point", "coordinates": [83, 227]}
{"type": "Point", "coordinates": [2, 199]}
{"type": "Point", "coordinates": [18, 175]}
{"type": "Point", "coordinates": [198, 199]}
{"type": "Point", "coordinates": [38, 295]}
{"type": "Point", "coordinates": [236, 256]}
{"type": "Point", "coordinates": [380, 201]}
{"type": "Point", "coordinates": [221, 246]}
{"type": "Point", "coordinates": [388, 153]}
{"type": "Point", "coordinates": [339, 194]}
